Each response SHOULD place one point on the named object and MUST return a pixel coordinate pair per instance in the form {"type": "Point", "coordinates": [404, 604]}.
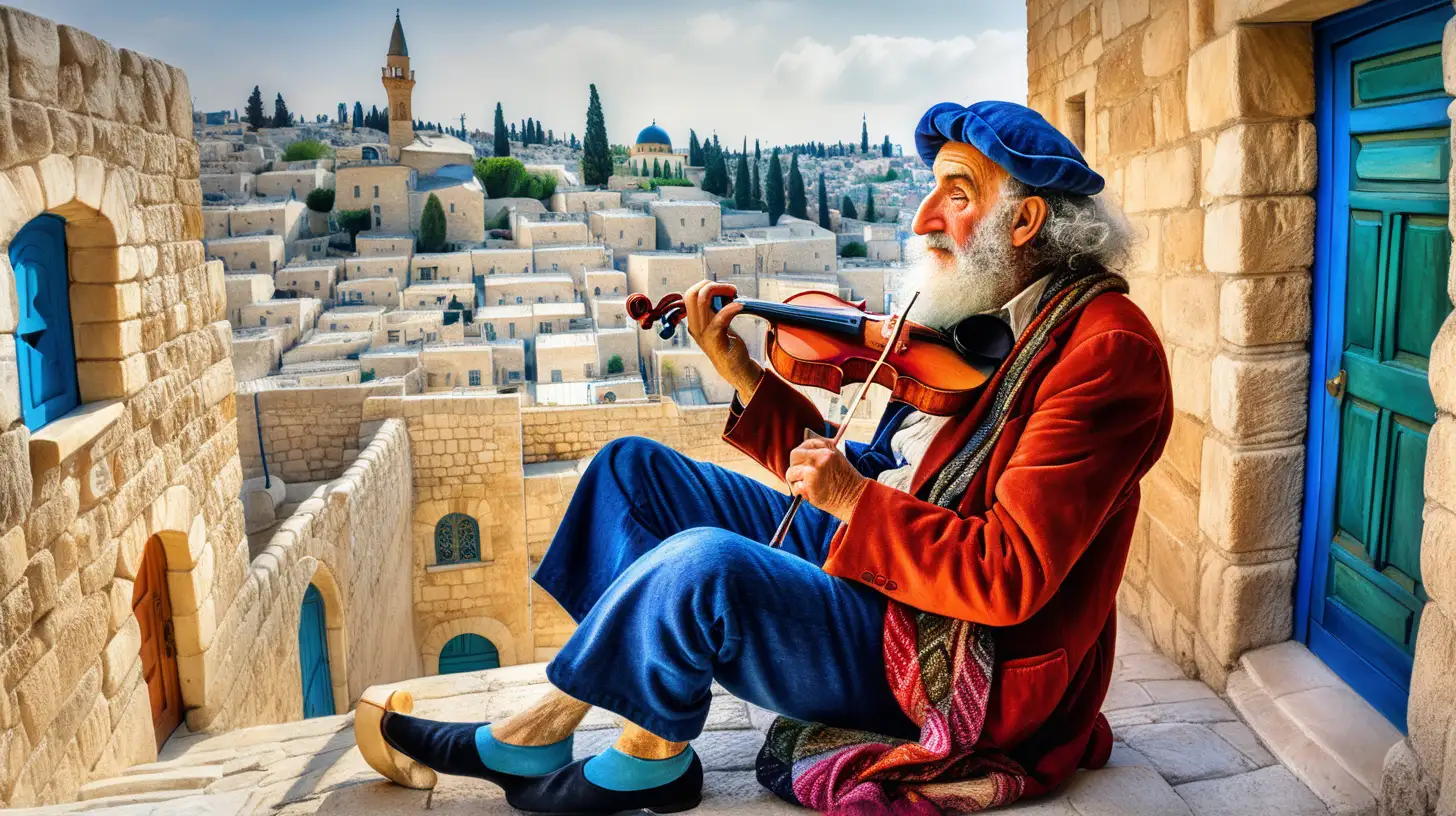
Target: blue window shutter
{"type": "Point", "coordinates": [45, 349]}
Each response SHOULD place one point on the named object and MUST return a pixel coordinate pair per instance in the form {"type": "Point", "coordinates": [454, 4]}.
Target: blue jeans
{"type": "Point", "coordinates": [662, 562]}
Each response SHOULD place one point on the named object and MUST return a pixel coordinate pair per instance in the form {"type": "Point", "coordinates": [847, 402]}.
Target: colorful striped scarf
{"type": "Point", "coordinates": [939, 668]}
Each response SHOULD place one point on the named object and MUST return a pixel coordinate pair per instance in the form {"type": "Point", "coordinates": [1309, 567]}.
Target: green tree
{"type": "Point", "coordinates": [798, 203]}
{"type": "Point", "coordinates": [847, 209]}
{"type": "Point", "coordinates": [823, 203]}
{"type": "Point", "coordinates": [695, 150]}
{"type": "Point", "coordinates": [615, 365]}
{"type": "Point", "coordinates": [757, 155]}
{"type": "Point", "coordinates": [864, 135]}
{"type": "Point", "coordinates": [253, 111]}
{"type": "Point", "coordinates": [886, 149]}
{"type": "Point", "coordinates": [352, 222]}
{"type": "Point", "coordinates": [869, 203]}
{"type": "Point", "coordinates": [742, 191]}
{"type": "Point", "coordinates": [320, 199]}
{"type": "Point", "coordinates": [306, 150]}
{"type": "Point", "coordinates": [757, 190]}
{"type": "Point", "coordinates": [502, 140]}
{"type": "Point", "coordinates": [774, 188]}
{"type": "Point", "coordinates": [432, 225]}
{"type": "Point", "coordinates": [530, 137]}
{"type": "Point", "coordinates": [513, 132]}
{"type": "Point", "coordinates": [281, 117]}
{"type": "Point", "coordinates": [891, 175]}
{"type": "Point", "coordinates": [358, 116]}
{"type": "Point", "coordinates": [853, 249]}
{"type": "Point", "coordinates": [656, 169]}
{"type": "Point", "coordinates": [500, 177]}
{"type": "Point", "coordinates": [596, 157]}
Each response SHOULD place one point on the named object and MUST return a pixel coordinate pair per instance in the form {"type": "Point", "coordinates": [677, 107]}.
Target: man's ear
{"type": "Point", "coordinates": [1030, 217]}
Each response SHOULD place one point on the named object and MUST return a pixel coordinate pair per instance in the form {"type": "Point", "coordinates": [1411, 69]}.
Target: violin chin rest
{"type": "Point", "coordinates": [983, 339]}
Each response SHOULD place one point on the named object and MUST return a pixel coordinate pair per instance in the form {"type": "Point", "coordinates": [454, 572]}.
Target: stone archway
{"type": "Point", "coordinates": [427, 515]}
{"type": "Point", "coordinates": [334, 617]}
{"type": "Point", "coordinates": [488, 628]}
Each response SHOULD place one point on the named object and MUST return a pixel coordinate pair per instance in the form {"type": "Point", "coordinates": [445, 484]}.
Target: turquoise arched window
{"type": "Point", "coordinates": [468, 653]}
{"type": "Point", "coordinates": [44, 348]}
{"type": "Point", "coordinates": [457, 539]}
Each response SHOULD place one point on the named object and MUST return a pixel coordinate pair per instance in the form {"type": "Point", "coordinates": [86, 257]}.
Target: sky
{"type": "Point", "coordinates": [784, 71]}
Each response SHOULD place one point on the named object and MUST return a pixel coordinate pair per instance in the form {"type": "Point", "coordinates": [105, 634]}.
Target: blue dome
{"type": "Point", "coordinates": [652, 134]}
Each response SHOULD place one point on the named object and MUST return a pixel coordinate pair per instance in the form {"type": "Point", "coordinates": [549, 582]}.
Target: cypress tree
{"type": "Point", "coordinates": [530, 137]}
{"type": "Point", "coordinates": [254, 109]}
{"type": "Point", "coordinates": [596, 159]}
{"type": "Point", "coordinates": [281, 116]}
{"type": "Point", "coordinates": [798, 205]}
{"type": "Point", "coordinates": [656, 169]}
{"type": "Point", "coordinates": [846, 208]}
{"type": "Point", "coordinates": [864, 135]}
{"type": "Point", "coordinates": [513, 131]}
{"type": "Point", "coordinates": [774, 188]}
{"type": "Point", "coordinates": [432, 225]}
{"type": "Point", "coordinates": [695, 151]}
{"type": "Point", "coordinates": [502, 139]}
{"type": "Point", "coordinates": [887, 149]}
{"type": "Point", "coordinates": [869, 203]}
{"type": "Point", "coordinates": [757, 154]}
{"type": "Point", "coordinates": [358, 116]}
{"type": "Point", "coordinates": [823, 203]}
{"type": "Point", "coordinates": [757, 190]}
{"type": "Point", "coordinates": [742, 194]}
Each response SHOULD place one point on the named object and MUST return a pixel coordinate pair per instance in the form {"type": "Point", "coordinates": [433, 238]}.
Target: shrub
{"type": "Point", "coordinates": [500, 176]}
{"type": "Point", "coordinates": [321, 199]}
{"type": "Point", "coordinates": [353, 222]}
{"type": "Point", "coordinates": [432, 225]}
{"type": "Point", "coordinates": [501, 221]}
{"type": "Point", "coordinates": [306, 150]}
{"type": "Point", "coordinates": [653, 184]}
{"type": "Point", "coordinates": [615, 365]}
{"type": "Point", "coordinates": [853, 249]}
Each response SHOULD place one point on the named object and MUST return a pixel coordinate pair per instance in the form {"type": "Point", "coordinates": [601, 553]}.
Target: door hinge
{"type": "Point", "coordinates": [1336, 384]}
{"type": "Point", "coordinates": [169, 639]}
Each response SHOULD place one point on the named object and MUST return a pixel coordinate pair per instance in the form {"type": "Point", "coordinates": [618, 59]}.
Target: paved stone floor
{"type": "Point", "coordinates": [1180, 751]}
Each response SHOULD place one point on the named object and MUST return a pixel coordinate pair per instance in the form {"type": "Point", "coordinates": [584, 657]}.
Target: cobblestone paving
{"type": "Point", "coordinates": [1180, 751]}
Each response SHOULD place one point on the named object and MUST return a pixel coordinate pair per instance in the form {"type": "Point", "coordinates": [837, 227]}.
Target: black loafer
{"type": "Point", "coordinates": [568, 792]}
{"type": "Point", "coordinates": [446, 747]}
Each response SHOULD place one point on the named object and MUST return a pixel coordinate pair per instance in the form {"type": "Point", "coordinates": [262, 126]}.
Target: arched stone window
{"type": "Point", "coordinates": [457, 539]}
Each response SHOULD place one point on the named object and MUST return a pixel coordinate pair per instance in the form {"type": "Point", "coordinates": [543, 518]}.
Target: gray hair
{"type": "Point", "coordinates": [1080, 232]}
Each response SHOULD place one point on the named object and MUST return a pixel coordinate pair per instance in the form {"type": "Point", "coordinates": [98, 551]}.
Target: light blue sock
{"type": "Point", "coordinates": [617, 771]}
{"type": "Point", "coordinates": [521, 760]}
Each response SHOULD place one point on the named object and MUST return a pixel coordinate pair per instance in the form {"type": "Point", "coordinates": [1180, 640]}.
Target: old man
{"type": "Point", "coordinates": [937, 629]}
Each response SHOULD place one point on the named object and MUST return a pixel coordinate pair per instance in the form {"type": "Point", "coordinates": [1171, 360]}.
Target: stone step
{"type": "Point", "coordinates": [1340, 791]}
{"type": "Point", "coordinates": [181, 779]}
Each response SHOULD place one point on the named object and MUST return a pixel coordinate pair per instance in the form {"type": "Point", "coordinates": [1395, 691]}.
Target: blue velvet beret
{"type": "Point", "coordinates": [1015, 137]}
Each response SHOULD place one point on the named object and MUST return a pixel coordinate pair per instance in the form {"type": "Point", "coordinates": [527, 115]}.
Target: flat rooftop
{"type": "Point", "coordinates": [511, 280]}
{"type": "Point", "coordinates": [566, 340]}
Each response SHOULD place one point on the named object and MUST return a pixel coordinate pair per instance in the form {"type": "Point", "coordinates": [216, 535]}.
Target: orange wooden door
{"type": "Point", "coordinates": [153, 609]}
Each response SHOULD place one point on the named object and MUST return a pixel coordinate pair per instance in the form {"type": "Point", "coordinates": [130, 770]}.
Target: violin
{"type": "Point", "coordinates": [819, 339]}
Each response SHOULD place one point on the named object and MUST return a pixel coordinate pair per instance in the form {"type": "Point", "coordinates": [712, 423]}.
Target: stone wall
{"type": "Point", "coordinates": [547, 495]}
{"type": "Point", "coordinates": [351, 540]}
{"type": "Point", "coordinates": [1203, 135]}
{"type": "Point", "coordinates": [103, 138]}
{"type": "Point", "coordinates": [310, 434]}
{"type": "Point", "coordinates": [555, 434]}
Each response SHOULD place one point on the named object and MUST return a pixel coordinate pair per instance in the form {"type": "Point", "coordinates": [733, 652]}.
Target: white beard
{"type": "Point", "coordinates": [983, 276]}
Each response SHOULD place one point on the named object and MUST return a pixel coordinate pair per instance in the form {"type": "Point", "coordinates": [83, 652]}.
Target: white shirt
{"type": "Point", "coordinates": [912, 439]}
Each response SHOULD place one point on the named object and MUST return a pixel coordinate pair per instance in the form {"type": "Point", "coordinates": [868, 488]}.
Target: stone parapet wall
{"type": "Point", "coordinates": [103, 138]}
{"type": "Point", "coordinates": [555, 434]}
{"type": "Point", "coordinates": [350, 539]}
{"type": "Point", "coordinates": [310, 434]}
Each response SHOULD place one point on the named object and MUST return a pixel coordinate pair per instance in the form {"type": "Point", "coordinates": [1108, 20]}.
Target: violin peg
{"type": "Point", "coordinates": [668, 330]}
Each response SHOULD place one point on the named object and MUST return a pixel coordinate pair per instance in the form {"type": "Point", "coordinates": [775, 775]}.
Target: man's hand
{"type": "Point", "coordinates": [720, 344]}
{"type": "Point", "coordinates": [825, 478]}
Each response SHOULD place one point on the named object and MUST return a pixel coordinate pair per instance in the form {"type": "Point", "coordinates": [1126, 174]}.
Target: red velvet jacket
{"type": "Point", "coordinates": [1036, 548]}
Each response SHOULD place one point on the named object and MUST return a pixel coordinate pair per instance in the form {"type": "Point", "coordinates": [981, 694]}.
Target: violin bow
{"type": "Point", "coordinates": [898, 328]}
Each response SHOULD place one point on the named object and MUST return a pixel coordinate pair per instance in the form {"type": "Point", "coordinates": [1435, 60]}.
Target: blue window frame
{"type": "Point", "coordinates": [475, 376]}
{"type": "Point", "coordinates": [457, 539]}
{"type": "Point", "coordinates": [44, 348]}
{"type": "Point", "coordinates": [468, 653]}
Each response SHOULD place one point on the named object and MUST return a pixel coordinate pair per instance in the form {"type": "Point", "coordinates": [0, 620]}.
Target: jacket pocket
{"type": "Point", "coordinates": [1027, 691]}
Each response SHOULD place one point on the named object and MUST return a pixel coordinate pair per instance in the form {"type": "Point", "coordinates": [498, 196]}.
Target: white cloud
{"type": "Point", "coordinates": [711, 28]}
{"type": "Point", "coordinates": [876, 69]}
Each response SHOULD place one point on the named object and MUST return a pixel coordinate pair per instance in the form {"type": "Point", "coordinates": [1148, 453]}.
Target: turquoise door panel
{"type": "Point", "coordinates": [44, 347]}
{"type": "Point", "coordinates": [468, 653]}
{"type": "Point", "coordinates": [1383, 251]}
{"type": "Point", "coordinates": [313, 656]}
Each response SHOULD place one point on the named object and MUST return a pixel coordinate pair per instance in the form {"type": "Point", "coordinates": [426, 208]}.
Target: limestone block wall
{"type": "Point", "coordinates": [547, 496]}
{"type": "Point", "coordinates": [310, 434]}
{"type": "Point", "coordinates": [103, 138]}
{"type": "Point", "coordinates": [351, 540]}
{"type": "Point", "coordinates": [556, 434]}
{"type": "Point", "coordinates": [1203, 134]}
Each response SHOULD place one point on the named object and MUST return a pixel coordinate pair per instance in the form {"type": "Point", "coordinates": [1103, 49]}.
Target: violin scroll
{"type": "Point", "coordinates": [668, 312]}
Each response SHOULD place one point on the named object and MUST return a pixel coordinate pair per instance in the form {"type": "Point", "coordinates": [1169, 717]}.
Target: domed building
{"type": "Point", "coordinates": [654, 147]}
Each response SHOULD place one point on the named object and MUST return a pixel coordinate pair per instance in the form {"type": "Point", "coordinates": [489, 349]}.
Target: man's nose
{"type": "Point", "coordinates": [928, 219]}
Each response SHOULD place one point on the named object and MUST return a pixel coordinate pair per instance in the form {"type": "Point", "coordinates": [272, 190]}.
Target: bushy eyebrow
{"type": "Point", "coordinates": [959, 176]}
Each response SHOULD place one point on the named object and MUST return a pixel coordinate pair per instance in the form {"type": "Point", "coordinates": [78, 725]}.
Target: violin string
{"type": "Point", "coordinates": [783, 529]}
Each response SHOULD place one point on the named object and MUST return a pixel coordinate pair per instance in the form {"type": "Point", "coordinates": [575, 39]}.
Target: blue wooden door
{"type": "Point", "coordinates": [1382, 258]}
{"type": "Point", "coordinates": [313, 656]}
{"type": "Point", "coordinates": [44, 348]}
{"type": "Point", "coordinates": [468, 653]}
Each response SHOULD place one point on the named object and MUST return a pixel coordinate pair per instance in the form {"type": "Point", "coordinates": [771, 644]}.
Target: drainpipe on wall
{"type": "Point", "coordinates": [258, 419]}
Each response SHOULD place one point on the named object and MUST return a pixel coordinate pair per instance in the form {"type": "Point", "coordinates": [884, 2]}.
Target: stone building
{"type": "Point", "coordinates": [683, 224]}
{"type": "Point", "coordinates": [653, 150]}
{"type": "Point", "coordinates": [1286, 162]}
{"type": "Point", "coordinates": [624, 231]}
{"type": "Point", "coordinates": [382, 189]}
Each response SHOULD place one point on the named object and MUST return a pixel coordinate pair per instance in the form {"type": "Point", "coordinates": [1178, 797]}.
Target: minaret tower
{"type": "Point", "coordinates": [399, 84]}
